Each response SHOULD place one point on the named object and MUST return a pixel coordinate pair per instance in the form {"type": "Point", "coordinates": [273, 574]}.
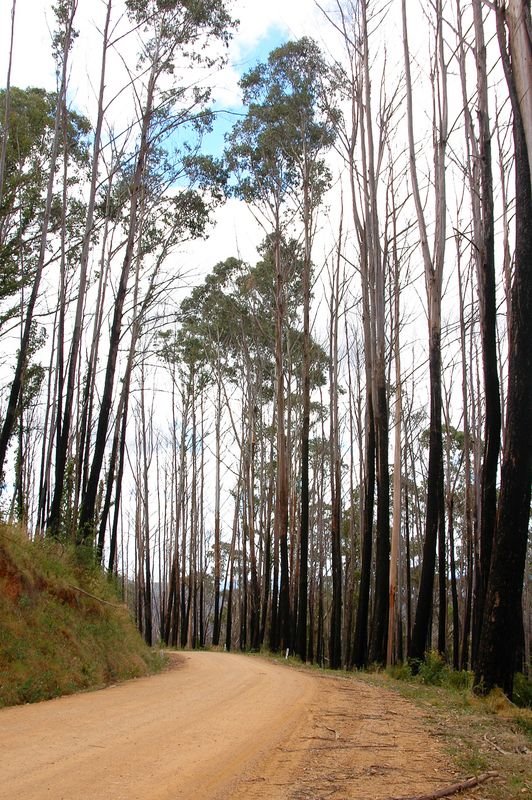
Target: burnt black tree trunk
{"type": "Point", "coordinates": [88, 502]}
{"type": "Point", "coordinates": [488, 333]}
{"type": "Point", "coordinates": [360, 641]}
{"type": "Point", "coordinates": [502, 621]}
{"type": "Point", "coordinates": [435, 503]}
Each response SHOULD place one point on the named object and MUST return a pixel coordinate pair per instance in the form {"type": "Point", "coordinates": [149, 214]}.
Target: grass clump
{"type": "Point", "coordinates": [479, 733]}
{"type": "Point", "coordinates": [62, 627]}
{"type": "Point", "coordinates": [522, 695]}
{"type": "Point", "coordinates": [431, 672]}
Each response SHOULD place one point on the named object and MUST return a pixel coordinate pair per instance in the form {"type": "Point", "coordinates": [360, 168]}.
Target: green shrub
{"type": "Point", "coordinates": [458, 680]}
{"type": "Point", "coordinates": [432, 670]}
{"type": "Point", "coordinates": [522, 695]}
{"type": "Point", "coordinates": [400, 672]}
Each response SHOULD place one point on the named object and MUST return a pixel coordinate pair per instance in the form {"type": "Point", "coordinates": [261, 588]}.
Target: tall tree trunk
{"type": "Point", "coordinates": [502, 622]}
{"type": "Point", "coordinates": [254, 613]}
{"type": "Point", "coordinates": [467, 546]}
{"type": "Point", "coordinates": [360, 641]}
{"type": "Point", "coordinates": [481, 192]}
{"type": "Point", "coordinates": [148, 623]}
{"type": "Point", "coordinates": [435, 513]}
{"type": "Point", "coordinates": [22, 358]}
{"type": "Point", "coordinates": [335, 640]}
{"type": "Point", "coordinates": [64, 430]}
{"type": "Point", "coordinates": [217, 560]}
{"type": "Point", "coordinates": [301, 634]}
{"type": "Point", "coordinates": [267, 572]}
{"type": "Point", "coordinates": [88, 501]}
{"type": "Point", "coordinates": [394, 610]}
{"type": "Point", "coordinates": [230, 567]}
{"type": "Point", "coordinates": [281, 504]}
{"type": "Point", "coordinates": [379, 626]}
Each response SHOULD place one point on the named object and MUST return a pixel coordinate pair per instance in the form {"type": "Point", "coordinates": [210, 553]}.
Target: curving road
{"type": "Point", "coordinates": [218, 725]}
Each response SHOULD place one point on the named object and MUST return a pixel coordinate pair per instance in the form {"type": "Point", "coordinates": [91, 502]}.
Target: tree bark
{"type": "Point", "coordinates": [22, 358]}
{"type": "Point", "coordinates": [63, 436]}
{"type": "Point", "coordinates": [502, 622]}
{"type": "Point", "coordinates": [435, 512]}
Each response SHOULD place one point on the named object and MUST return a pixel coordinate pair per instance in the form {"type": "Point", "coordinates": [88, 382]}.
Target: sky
{"type": "Point", "coordinates": [263, 26]}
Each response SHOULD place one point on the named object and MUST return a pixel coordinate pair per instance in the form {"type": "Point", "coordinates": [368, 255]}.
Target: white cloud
{"type": "Point", "coordinates": [272, 21]}
{"type": "Point", "coordinates": [263, 26]}
{"type": "Point", "coordinates": [32, 65]}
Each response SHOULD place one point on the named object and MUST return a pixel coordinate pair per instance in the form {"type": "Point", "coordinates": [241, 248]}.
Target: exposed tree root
{"type": "Point", "coordinates": [454, 789]}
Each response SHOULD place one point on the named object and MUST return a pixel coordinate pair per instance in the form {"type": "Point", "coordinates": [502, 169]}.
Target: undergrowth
{"type": "Point", "coordinates": [62, 626]}
{"type": "Point", "coordinates": [479, 734]}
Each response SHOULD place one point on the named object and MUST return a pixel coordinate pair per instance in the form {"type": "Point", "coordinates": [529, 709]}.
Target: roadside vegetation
{"type": "Point", "coordinates": [480, 734]}
{"type": "Point", "coordinates": [323, 444]}
{"type": "Point", "coordinates": [62, 627]}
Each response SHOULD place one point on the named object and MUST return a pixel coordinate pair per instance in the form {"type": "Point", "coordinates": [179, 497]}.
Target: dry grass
{"type": "Point", "coordinates": [480, 735]}
{"type": "Point", "coordinates": [62, 628]}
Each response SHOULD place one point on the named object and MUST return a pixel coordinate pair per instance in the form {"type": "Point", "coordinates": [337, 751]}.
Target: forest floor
{"type": "Point", "coordinates": [217, 725]}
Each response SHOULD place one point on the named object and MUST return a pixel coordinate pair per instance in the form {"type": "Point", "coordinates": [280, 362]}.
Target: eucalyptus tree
{"type": "Point", "coordinates": [228, 322]}
{"type": "Point", "coordinates": [213, 317]}
{"type": "Point", "coordinates": [30, 133]}
{"type": "Point", "coordinates": [501, 631]}
{"type": "Point", "coordinates": [433, 268]}
{"type": "Point", "coordinates": [364, 133]}
{"type": "Point", "coordinates": [337, 290]}
{"type": "Point", "coordinates": [264, 176]}
{"type": "Point", "coordinates": [63, 42]}
{"type": "Point", "coordinates": [165, 221]}
{"type": "Point", "coordinates": [480, 179]}
{"type": "Point", "coordinates": [258, 293]}
{"type": "Point", "coordinates": [277, 153]}
{"type": "Point", "coordinates": [173, 30]}
{"type": "Point", "coordinates": [64, 425]}
{"type": "Point", "coordinates": [372, 153]}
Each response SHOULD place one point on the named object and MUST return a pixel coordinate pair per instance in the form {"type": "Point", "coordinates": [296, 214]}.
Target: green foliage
{"type": "Point", "coordinates": [227, 323]}
{"type": "Point", "coordinates": [432, 672]}
{"type": "Point", "coordinates": [31, 125]}
{"type": "Point", "coordinates": [522, 694]}
{"type": "Point", "coordinates": [207, 173]}
{"type": "Point", "coordinates": [186, 21]}
{"type": "Point", "coordinates": [432, 669]}
{"type": "Point", "coordinates": [62, 626]}
{"type": "Point", "coordinates": [400, 672]}
{"type": "Point", "coordinates": [461, 680]}
{"type": "Point", "coordinates": [276, 149]}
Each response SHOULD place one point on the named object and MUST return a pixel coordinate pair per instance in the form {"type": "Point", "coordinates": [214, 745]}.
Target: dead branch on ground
{"type": "Point", "coordinates": [454, 789]}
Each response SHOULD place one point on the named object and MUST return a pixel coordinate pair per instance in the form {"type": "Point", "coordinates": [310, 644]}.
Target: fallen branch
{"type": "Point", "coordinates": [454, 789]}
{"type": "Point", "coordinates": [495, 745]}
{"type": "Point", "coordinates": [93, 596]}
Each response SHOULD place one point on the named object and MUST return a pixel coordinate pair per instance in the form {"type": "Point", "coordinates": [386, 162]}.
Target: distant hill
{"type": "Point", "coordinates": [62, 627]}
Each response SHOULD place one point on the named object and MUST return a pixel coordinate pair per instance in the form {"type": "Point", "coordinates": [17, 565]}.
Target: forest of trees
{"type": "Point", "coordinates": [327, 451]}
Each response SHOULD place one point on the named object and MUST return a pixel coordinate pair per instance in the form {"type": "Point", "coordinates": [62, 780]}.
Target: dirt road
{"type": "Point", "coordinates": [220, 725]}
